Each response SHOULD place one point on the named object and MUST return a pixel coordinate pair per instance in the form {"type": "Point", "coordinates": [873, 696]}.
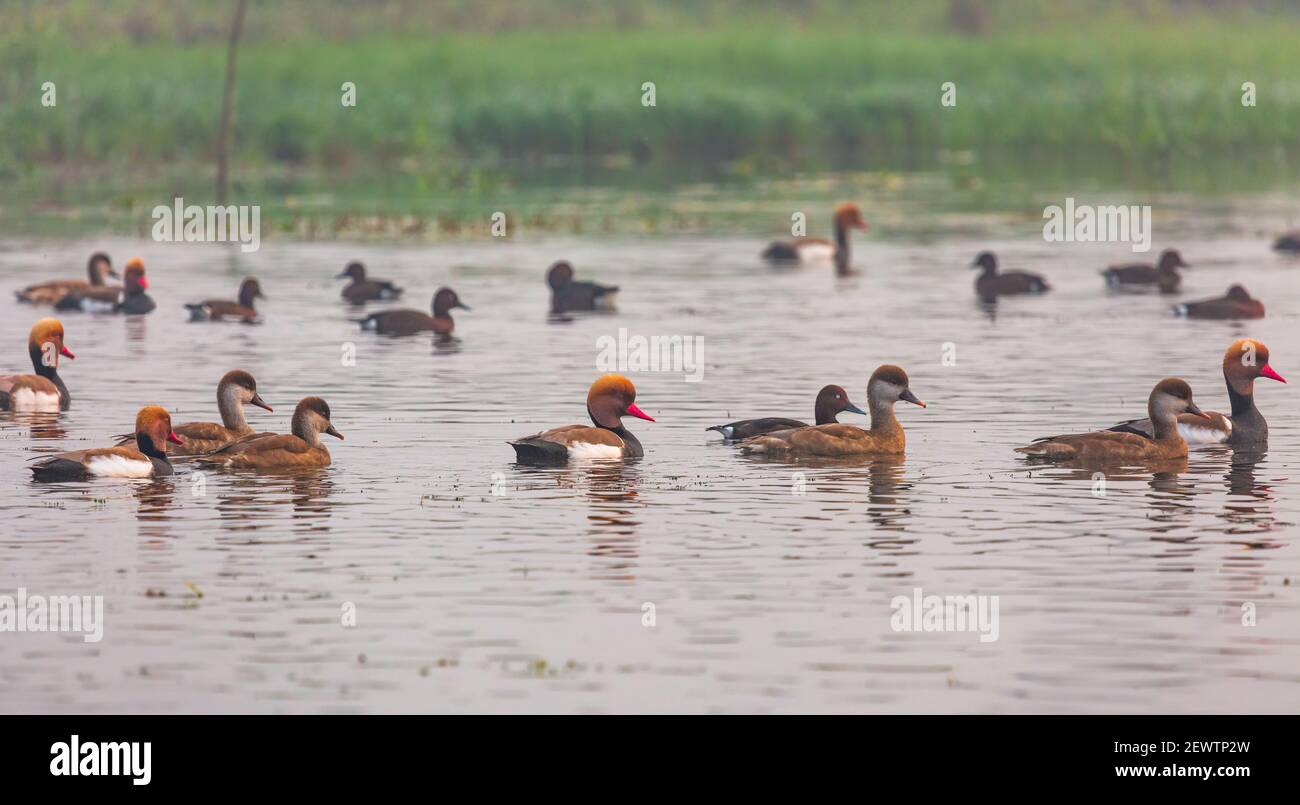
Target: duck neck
{"type": "Point", "coordinates": [246, 295]}
{"type": "Point", "coordinates": [882, 417]}
{"type": "Point", "coordinates": [94, 273]}
{"type": "Point", "coordinates": [1248, 424]}
{"type": "Point", "coordinates": [50, 373]}
{"type": "Point", "coordinates": [841, 244]}
{"type": "Point", "coordinates": [144, 443]}
{"type": "Point", "coordinates": [631, 444]}
{"type": "Point", "coordinates": [232, 409]}
{"type": "Point", "coordinates": [825, 413]}
{"type": "Point", "coordinates": [1163, 423]}
{"type": "Point", "coordinates": [304, 429]}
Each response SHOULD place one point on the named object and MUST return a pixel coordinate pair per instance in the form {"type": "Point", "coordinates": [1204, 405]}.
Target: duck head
{"type": "Point", "coordinates": [559, 275]}
{"type": "Point", "coordinates": [312, 417]}
{"type": "Point", "coordinates": [1238, 293]}
{"type": "Point", "coordinates": [45, 344]}
{"type": "Point", "coordinates": [986, 261]}
{"type": "Point", "coordinates": [153, 430]}
{"type": "Point", "coordinates": [249, 290]}
{"type": "Point", "coordinates": [888, 385]}
{"type": "Point", "coordinates": [611, 398]}
{"type": "Point", "coordinates": [1171, 397]}
{"type": "Point", "coordinates": [848, 216]}
{"type": "Point", "coordinates": [831, 400]}
{"type": "Point", "coordinates": [1246, 360]}
{"type": "Point", "coordinates": [443, 302]}
{"type": "Point", "coordinates": [133, 277]}
{"type": "Point", "coordinates": [354, 271]}
{"type": "Point", "coordinates": [1171, 259]}
{"type": "Point", "coordinates": [99, 267]}
{"type": "Point", "coordinates": [240, 386]}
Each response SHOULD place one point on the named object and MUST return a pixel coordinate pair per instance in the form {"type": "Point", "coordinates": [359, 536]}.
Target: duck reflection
{"type": "Point", "coordinates": [43, 424]}
{"type": "Point", "coordinates": [445, 344]}
{"type": "Point", "coordinates": [156, 507]}
{"type": "Point", "coordinates": [247, 500]}
{"type": "Point", "coordinates": [137, 334]}
{"type": "Point", "coordinates": [888, 488]}
{"type": "Point", "coordinates": [1249, 505]}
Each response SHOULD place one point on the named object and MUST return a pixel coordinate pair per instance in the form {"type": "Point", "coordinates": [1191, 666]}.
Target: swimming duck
{"type": "Point", "coordinates": [147, 459]}
{"type": "Point", "coordinates": [44, 390]}
{"type": "Point", "coordinates": [236, 388]}
{"type": "Point", "coordinates": [47, 293]}
{"type": "Point", "coordinates": [271, 451]}
{"type": "Point", "coordinates": [364, 290]}
{"type": "Point", "coordinates": [1236, 304]}
{"type": "Point", "coordinates": [810, 250]}
{"type": "Point", "coordinates": [1140, 276]}
{"type": "Point", "coordinates": [1170, 398]}
{"type": "Point", "coordinates": [990, 284]}
{"type": "Point", "coordinates": [888, 385]}
{"type": "Point", "coordinates": [831, 400]}
{"type": "Point", "coordinates": [410, 322]}
{"type": "Point", "coordinates": [219, 309]}
{"type": "Point", "coordinates": [1245, 360]}
{"type": "Point", "coordinates": [130, 299]}
{"type": "Point", "coordinates": [1290, 242]}
{"type": "Point", "coordinates": [609, 399]}
{"type": "Point", "coordinates": [570, 294]}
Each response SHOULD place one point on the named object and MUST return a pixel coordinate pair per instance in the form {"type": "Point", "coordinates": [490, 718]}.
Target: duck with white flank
{"type": "Point", "coordinates": [609, 399]}
{"type": "Point", "coordinates": [146, 459]}
{"type": "Point", "coordinates": [44, 390]}
{"type": "Point", "coordinates": [130, 299]}
{"type": "Point", "coordinates": [813, 250]}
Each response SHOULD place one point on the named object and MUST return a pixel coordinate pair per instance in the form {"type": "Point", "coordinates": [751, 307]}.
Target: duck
{"type": "Point", "coordinates": [812, 250]}
{"type": "Point", "coordinates": [1244, 361]}
{"type": "Point", "coordinates": [570, 294]}
{"type": "Point", "coordinates": [236, 388]}
{"type": "Point", "coordinates": [130, 299]}
{"type": "Point", "coordinates": [409, 322]}
{"type": "Point", "coordinates": [990, 284]}
{"type": "Point", "coordinates": [47, 293]}
{"type": "Point", "coordinates": [1170, 398]}
{"type": "Point", "coordinates": [364, 290]}
{"type": "Point", "coordinates": [220, 309]}
{"type": "Point", "coordinates": [888, 385]}
{"type": "Point", "coordinates": [1237, 303]}
{"type": "Point", "coordinates": [301, 449]}
{"type": "Point", "coordinates": [609, 399]}
{"type": "Point", "coordinates": [1290, 242]}
{"type": "Point", "coordinates": [43, 391]}
{"type": "Point", "coordinates": [1140, 276]}
{"type": "Point", "coordinates": [146, 459]}
{"type": "Point", "coordinates": [831, 400]}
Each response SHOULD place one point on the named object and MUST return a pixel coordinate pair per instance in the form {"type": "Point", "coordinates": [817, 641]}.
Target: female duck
{"type": "Point", "coordinates": [1140, 276]}
{"type": "Point", "coordinates": [1236, 304]}
{"type": "Point", "coordinates": [609, 399]}
{"type": "Point", "coordinates": [409, 322]}
{"type": "Point", "coordinates": [220, 309]}
{"type": "Point", "coordinates": [146, 459]}
{"type": "Point", "coordinates": [831, 400]}
{"type": "Point", "coordinates": [887, 385]}
{"type": "Point", "coordinates": [236, 388]}
{"type": "Point", "coordinates": [1169, 399]}
{"type": "Point", "coordinates": [300, 450]}
{"type": "Point", "coordinates": [44, 390]}
{"type": "Point", "coordinates": [47, 293]}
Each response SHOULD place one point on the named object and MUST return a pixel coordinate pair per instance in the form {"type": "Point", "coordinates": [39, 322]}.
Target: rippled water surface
{"type": "Point", "coordinates": [480, 585]}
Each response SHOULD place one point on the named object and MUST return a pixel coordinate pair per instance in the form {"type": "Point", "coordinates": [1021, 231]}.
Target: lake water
{"type": "Point", "coordinates": [481, 585]}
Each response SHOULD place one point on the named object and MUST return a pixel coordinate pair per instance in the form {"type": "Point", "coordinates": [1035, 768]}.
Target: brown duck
{"type": "Point", "coordinates": [609, 399]}
{"type": "Point", "coordinates": [226, 310]}
{"type": "Point", "coordinates": [147, 458]}
{"type": "Point", "coordinates": [831, 401]}
{"type": "Point", "coordinates": [1140, 276]}
{"type": "Point", "coordinates": [361, 290]}
{"type": "Point", "coordinates": [44, 390]}
{"type": "Point", "coordinates": [236, 389]}
{"type": "Point", "coordinates": [1169, 399]}
{"type": "Point", "coordinates": [887, 385]}
{"type": "Point", "coordinates": [47, 293]}
{"type": "Point", "coordinates": [409, 322]}
{"type": "Point", "coordinates": [811, 250]}
{"type": "Point", "coordinates": [990, 284]}
{"type": "Point", "coordinates": [1235, 304]}
{"type": "Point", "coordinates": [300, 450]}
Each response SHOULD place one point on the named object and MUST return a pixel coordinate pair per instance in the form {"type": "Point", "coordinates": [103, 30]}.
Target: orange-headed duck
{"type": "Point", "coordinates": [363, 290]}
{"type": "Point", "coordinates": [1290, 242]}
{"type": "Point", "coordinates": [990, 284]}
{"type": "Point", "coordinates": [1169, 399]}
{"type": "Point", "coordinates": [570, 294]}
{"type": "Point", "coordinates": [130, 299]}
{"type": "Point", "coordinates": [147, 459]}
{"type": "Point", "coordinates": [1141, 276]}
{"type": "Point", "coordinates": [44, 390]}
{"type": "Point", "coordinates": [410, 322]}
{"type": "Point", "coordinates": [888, 385]}
{"type": "Point", "coordinates": [1245, 360]}
{"type": "Point", "coordinates": [270, 451]}
{"type": "Point", "coordinates": [224, 309]}
{"type": "Point", "coordinates": [831, 400]}
{"type": "Point", "coordinates": [610, 398]}
{"type": "Point", "coordinates": [47, 293]}
{"type": "Point", "coordinates": [812, 250]}
{"type": "Point", "coordinates": [1237, 303]}
{"type": "Point", "coordinates": [236, 389]}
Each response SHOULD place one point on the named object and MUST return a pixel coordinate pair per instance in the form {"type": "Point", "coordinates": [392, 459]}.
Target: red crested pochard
{"type": "Point", "coordinates": [609, 399]}
{"type": "Point", "coordinates": [811, 250]}
{"type": "Point", "coordinates": [44, 390]}
{"type": "Point", "coordinates": [831, 401]}
{"type": "Point", "coordinates": [569, 294]}
{"type": "Point", "coordinates": [130, 299]}
{"type": "Point", "coordinates": [361, 290]}
{"type": "Point", "coordinates": [47, 293]}
{"type": "Point", "coordinates": [1235, 304]}
{"type": "Point", "coordinates": [990, 284]}
{"type": "Point", "coordinates": [888, 385]}
{"type": "Point", "coordinates": [146, 459]}
{"type": "Point", "coordinates": [224, 309]}
{"type": "Point", "coordinates": [271, 451]}
{"type": "Point", "coordinates": [1245, 360]}
{"type": "Point", "coordinates": [1169, 399]}
{"type": "Point", "coordinates": [1141, 276]}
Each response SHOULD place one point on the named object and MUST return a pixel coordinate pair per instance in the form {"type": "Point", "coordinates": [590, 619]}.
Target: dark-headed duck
{"type": "Point", "coordinates": [888, 385]}
{"type": "Point", "coordinates": [44, 390]}
{"type": "Point", "coordinates": [47, 293]}
{"type": "Point", "coordinates": [1235, 304]}
{"type": "Point", "coordinates": [361, 289]}
{"type": "Point", "coordinates": [1290, 242]}
{"type": "Point", "coordinates": [1170, 398]}
{"type": "Point", "coordinates": [130, 299]}
{"type": "Point", "coordinates": [812, 250]}
{"type": "Point", "coordinates": [300, 450]}
{"type": "Point", "coordinates": [1245, 360]}
{"type": "Point", "coordinates": [569, 294]}
{"type": "Point", "coordinates": [610, 398]}
{"type": "Point", "coordinates": [831, 400]}
{"type": "Point", "coordinates": [990, 284]}
{"type": "Point", "coordinates": [410, 322]}
{"type": "Point", "coordinates": [1141, 276]}
{"type": "Point", "coordinates": [224, 309]}
{"type": "Point", "coordinates": [146, 459]}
